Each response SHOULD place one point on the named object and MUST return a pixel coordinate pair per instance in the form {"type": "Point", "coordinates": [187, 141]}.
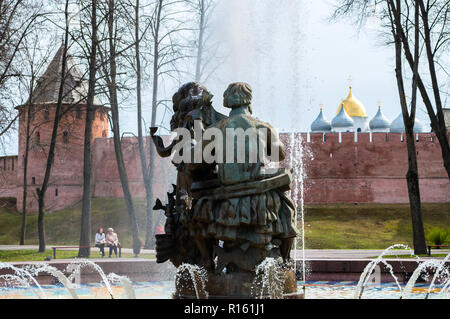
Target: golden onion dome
{"type": "Point", "coordinates": [352, 106]}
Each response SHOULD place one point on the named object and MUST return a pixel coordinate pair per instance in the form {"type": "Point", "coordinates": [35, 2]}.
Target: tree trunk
{"type": "Point", "coordinates": [51, 153]}
{"type": "Point", "coordinates": [442, 136]}
{"type": "Point", "coordinates": [437, 119]}
{"type": "Point", "coordinates": [85, 235]}
{"type": "Point", "coordinates": [150, 225]}
{"type": "Point", "coordinates": [142, 154]}
{"type": "Point", "coordinates": [412, 176]}
{"type": "Point", "coordinates": [200, 42]}
{"type": "Point", "coordinates": [41, 214]}
{"type": "Point", "coordinates": [25, 174]}
{"type": "Point", "coordinates": [115, 126]}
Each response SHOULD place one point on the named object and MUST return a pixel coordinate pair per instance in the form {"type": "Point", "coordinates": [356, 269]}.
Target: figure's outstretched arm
{"type": "Point", "coordinates": [159, 144]}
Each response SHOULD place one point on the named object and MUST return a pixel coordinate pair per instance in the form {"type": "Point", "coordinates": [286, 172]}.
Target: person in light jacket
{"type": "Point", "coordinates": [112, 240]}
{"type": "Point", "coordinates": [100, 241]}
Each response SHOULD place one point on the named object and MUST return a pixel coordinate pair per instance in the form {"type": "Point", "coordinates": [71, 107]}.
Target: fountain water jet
{"type": "Point", "coordinates": [371, 266]}
{"type": "Point", "coordinates": [11, 278]}
{"type": "Point", "coordinates": [125, 282]}
{"type": "Point", "coordinates": [436, 275]}
{"type": "Point", "coordinates": [298, 153]}
{"type": "Point", "coordinates": [36, 269]}
{"type": "Point", "coordinates": [87, 263]}
{"type": "Point", "coordinates": [270, 279]}
{"type": "Point", "coordinates": [196, 275]}
{"type": "Point", "coordinates": [40, 293]}
{"type": "Point", "coordinates": [415, 276]}
{"type": "Point", "coordinates": [445, 288]}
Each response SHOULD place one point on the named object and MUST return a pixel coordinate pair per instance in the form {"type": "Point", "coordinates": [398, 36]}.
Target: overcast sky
{"type": "Point", "coordinates": [295, 59]}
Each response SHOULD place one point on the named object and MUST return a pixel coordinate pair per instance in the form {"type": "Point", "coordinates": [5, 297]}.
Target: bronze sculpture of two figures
{"type": "Point", "coordinates": [228, 211]}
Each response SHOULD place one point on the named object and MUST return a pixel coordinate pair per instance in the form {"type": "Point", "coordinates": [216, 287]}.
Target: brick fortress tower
{"type": "Point", "coordinates": [65, 187]}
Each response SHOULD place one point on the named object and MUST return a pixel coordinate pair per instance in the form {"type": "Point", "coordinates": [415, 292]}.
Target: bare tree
{"type": "Point", "coordinates": [85, 235]}
{"type": "Point", "coordinates": [206, 48]}
{"type": "Point", "coordinates": [165, 48]}
{"type": "Point", "coordinates": [34, 58]}
{"type": "Point", "coordinates": [403, 19]}
{"type": "Point", "coordinates": [434, 35]}
{"type": "Point", "coordinates": [17, 18]}
{"type": "Point", "coordinates": [412, 175]}
{"type": "Point", "coordinates": [51, 153]}
{"type": "Point", "coordinates": [138, 35]}
{"type": "Point", "coordinates": [109, 52]}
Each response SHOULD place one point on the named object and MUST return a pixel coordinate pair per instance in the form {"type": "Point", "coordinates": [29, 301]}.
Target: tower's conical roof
{"type": "Point", "coordinates": [75, 87]}
{"type": "Point", "coordinates": [379, 121]}
{"type": "Point", "coordinates": [321, 124]}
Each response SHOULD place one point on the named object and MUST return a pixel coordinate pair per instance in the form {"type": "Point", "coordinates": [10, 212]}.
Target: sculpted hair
{"type": "Point", "coordinates": [244, 94]}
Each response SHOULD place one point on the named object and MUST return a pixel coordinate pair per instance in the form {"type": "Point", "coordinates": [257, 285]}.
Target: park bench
{"type": "Point", "coordinates": [63, 247]}
{"type": "Point", "coordinates": [436, 246]}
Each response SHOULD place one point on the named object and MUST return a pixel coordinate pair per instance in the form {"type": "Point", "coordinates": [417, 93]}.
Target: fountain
{"type": "Point", "coordinates": [230, 227]}
{"type": "Point", "coordinates": [38, 268]}
{"type": "Point", "coordinates": [441, 269]}
{"type": "Point", "coordinates": [297, 161]}
{"type": "Point", "coordinates": [81, 263]}
{"type": "Point", "coordinates": [269, 280]}
{"type": "Point", "coordinates": [225, 196]}
{"type": "Point", "coordinates": [22, 274]}
{"type": "Point", "coordinates": [189, 279]}
{"type": "Point", "coordinates": [125, 282]}
{"type": "Point", "coordinates": [371, 266]}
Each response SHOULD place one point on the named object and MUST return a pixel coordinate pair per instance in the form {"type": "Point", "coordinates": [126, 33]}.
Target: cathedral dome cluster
{"type": "Point", "coordinates": [351, 116]}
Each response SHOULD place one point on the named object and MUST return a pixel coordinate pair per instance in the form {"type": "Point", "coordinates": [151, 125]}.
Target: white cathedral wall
{"type": "Point", "coordinates": [343, 129]}
{"type": "Point", "coordinates": [381, 130]}
{"type": "Point", "coordinates": [361, 123]}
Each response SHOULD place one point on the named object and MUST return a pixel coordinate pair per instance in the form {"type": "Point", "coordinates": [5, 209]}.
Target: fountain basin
{"type": "Point", "coordinates": [239, 285]}
{"type": "Point", "coordinates": [165, 289]}
{"type": "Point", "coordinates": [147, 270]}
{"type": "Point", "coordinates": [351, 269]}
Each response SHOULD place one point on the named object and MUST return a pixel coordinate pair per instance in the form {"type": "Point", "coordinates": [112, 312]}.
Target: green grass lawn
{"type": "Point", "coordinates": [410, 257]}
{"type": "Point", "coordinates": [367, 226]}
{"type": "Point", "coordinates": [343, 226]}
{"type": "Point", "coordinates": [33, 255]}
{"type": "Point", "coordinates": [63, 227]}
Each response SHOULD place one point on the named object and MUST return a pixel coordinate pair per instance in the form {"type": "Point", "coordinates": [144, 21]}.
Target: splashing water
{"type": "Point", "coordinates": [298, 153]}
{"type": "Point", "coordinates": [434, 264]}
{"type": "Point", "coordinates": [34, 270]}
{"type": "Point", "coordinates": [269, 279]}
{"type": "Point", "coordinates": [22, 274]}
{"type": "Point", "coordinates": [371, 267]}
{"type": "Point", "coordinates": [125, 282]}
{"type": "Point", "coordinates": [196, 273]}
{"type": "Point", "coordinates": [445, 288]}
{"type": "Point", "coordinates": [438, 273]}
{"type": "Point", "coordinates": [12, 279]}
{"type": "Point", "coordinates": [81, 263]}
{"type": "Point", "coordinates": [391, 271]}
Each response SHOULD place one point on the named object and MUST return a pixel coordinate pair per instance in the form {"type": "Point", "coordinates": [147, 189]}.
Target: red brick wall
{"type": "Point", "coordinates": [67, 171]}
{"type": "Point", "coordinates": [107, 181]}
{"type": "Point", "coordinates": [8, 176]}
{"type": "Point", "coordinates": [354, 172]}
{"type": "Point", "coordinates": [369, 171]}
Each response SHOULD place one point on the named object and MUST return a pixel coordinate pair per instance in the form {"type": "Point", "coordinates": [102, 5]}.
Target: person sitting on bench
{"type": "Point", "coordinates": [100, 241]}
{"type": "Point", "coordinates": [112, 240]}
